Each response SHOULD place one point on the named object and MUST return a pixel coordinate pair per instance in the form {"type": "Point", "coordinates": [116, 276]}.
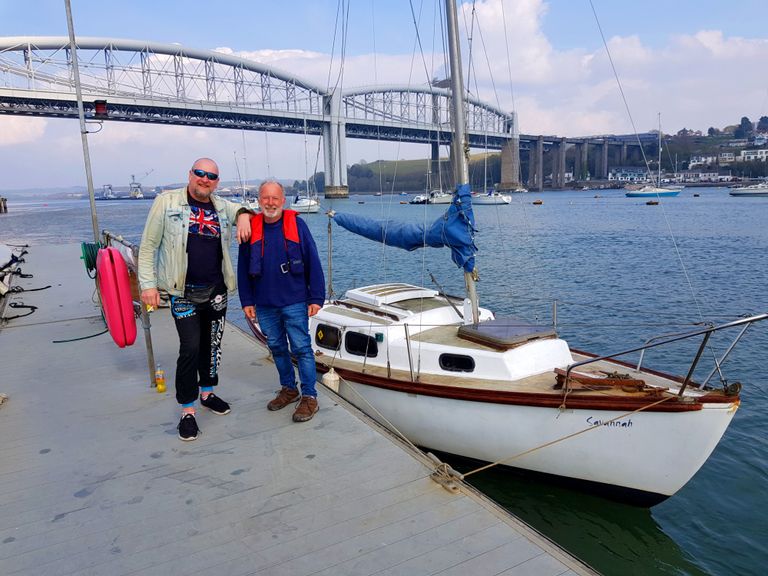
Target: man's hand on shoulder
{"type": "Point", "coordinates": [243, 227]}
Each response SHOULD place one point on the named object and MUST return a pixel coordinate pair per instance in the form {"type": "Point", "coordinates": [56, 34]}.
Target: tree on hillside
{"type": "Point", "coordinates": [713, 131]}
{"type": "Point", "coordinates": [762, 124]}
{"type": "Point", "coordinates": [745, 128]}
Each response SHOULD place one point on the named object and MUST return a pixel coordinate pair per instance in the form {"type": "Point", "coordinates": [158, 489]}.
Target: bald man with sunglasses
{"type": "Point", "coordinates": [184, 254]}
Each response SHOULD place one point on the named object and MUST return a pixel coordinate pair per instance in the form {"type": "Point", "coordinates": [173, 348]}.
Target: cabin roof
{"type": "Point", "coordinates": [383, 294]}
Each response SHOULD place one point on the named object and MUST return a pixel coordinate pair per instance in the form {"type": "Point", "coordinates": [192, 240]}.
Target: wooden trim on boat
{"type": "Point", "coordinates": [575, 400]}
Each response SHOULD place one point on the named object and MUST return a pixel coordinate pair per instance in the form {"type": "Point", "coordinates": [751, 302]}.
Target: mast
{"type": "Point", "coordinates": [658, 177]}
{"type": "Point", "coordinates": [81, 115]}
{"type": "Point", "coordinates": [459, 145]}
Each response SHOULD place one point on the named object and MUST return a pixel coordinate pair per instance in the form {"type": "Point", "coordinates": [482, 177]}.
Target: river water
{"type": "Point", "coordinates": [621, 271]}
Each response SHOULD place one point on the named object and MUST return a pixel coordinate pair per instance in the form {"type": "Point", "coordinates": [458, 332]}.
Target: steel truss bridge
{"type": "Point", "coordinates": [171, 84]}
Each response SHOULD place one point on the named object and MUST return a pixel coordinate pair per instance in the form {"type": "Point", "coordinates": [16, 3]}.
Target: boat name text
{"type": "Point", "coordinates": [592, 421]}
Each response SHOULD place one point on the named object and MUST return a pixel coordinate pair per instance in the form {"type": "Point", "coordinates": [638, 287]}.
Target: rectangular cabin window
{"type": "Point", "coordinates": [327, 336]}
{"type": "Point", "coordinates": [457, 363]}
{"type": "Point", "coordinates": [361, 344]}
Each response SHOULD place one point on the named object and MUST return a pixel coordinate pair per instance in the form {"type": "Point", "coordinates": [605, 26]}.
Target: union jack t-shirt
{"type": "Point", "coordinates": [204, 252]}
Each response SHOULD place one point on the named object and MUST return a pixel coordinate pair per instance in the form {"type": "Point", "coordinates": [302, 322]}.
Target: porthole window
{"type": "Point", "coordinates": [327, 336]}
{"type": "Point", "coordinates": [457, 363]}
{"type": "Point", "coordinates": [361, 344]}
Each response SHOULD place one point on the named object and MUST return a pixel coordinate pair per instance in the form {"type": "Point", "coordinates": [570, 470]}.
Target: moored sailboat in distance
{"type": "Point", "coordinates": [305, 204]}
{"type": "Point", "coordinates": [655, 189]}
{"type": "Point", "coordinates": [455, 377]}
{"type": "Point", "coordinates": [491, 197]}
{"type": "Point", "coordinates": [652, 191]}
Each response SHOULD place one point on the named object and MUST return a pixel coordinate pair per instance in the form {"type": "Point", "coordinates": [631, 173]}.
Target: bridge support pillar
{"type": "Point", "coordinates": [334, 146]}
{"type": "Point", "coordinates": [558, 167]}
{"type": "Point", "coordinates": [510, 160]}
{"type": "Point", "coordinates": [623, 158]}
{"type": "Point", "coordinates": [536, 166]}
{"type": "Point", "coordinates": [603, 172]}
{"type": "Point", "coordinates": [435, 176]}
{"type": "Point", "coordinates": [510, 165]}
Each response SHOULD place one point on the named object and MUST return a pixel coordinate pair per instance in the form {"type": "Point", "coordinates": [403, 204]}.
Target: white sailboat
{"type": "Point", "coordinates": [439, 197]}
{"type": "Point", "coordinates": [491, 197]}
{"type": "Point", "coordinates": [305, 204]}
{"type": "Point", "coordinates": [436, 195]}
{"type": "Point", "coordinates": [454, 377]}
{"type": "Point", "coordinates": [655, 189]}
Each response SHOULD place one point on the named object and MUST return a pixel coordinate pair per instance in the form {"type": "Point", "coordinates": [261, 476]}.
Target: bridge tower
{"type": "Point", "coordinates": [335, 145]}
{"type": "Point", "coordinates": [510, 160]}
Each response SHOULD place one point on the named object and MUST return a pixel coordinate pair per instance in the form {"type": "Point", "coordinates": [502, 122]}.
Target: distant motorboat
{"type": "Point", "coordinates": [491, 197]}
{"type": "Point", "coordinates": [419, 199]}
{"type": "Point", "coordinates": [760, 189]}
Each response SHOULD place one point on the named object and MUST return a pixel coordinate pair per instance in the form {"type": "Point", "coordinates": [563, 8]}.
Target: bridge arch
{"type": "Point", "coordinates": [154, 70]}
{"type": "Point", "coordinates": [169, 83]}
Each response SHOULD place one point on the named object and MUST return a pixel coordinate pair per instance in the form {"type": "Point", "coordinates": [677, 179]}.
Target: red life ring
{"type": "Point", "coordinates": [115, 292]}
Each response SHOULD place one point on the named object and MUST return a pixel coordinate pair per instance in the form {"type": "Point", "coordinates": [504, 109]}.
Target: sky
{"type": "Point", "coordinates": [698, 63]}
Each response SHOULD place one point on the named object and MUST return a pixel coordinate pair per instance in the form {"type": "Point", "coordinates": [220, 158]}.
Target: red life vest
{"type": "Point", "coordinates": [295, 263]}
{"type": "Point", "coordinates": [290, 229]}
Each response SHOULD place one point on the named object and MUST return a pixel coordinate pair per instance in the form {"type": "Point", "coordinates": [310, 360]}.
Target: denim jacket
{"type": "Point", "coordinates": [163, 249]}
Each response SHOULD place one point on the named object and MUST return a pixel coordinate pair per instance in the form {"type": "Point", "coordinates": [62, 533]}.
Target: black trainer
{"type": "Point", "coordinates": [188, 429]}
{"type": "Point", "coordinates": [215, 404]}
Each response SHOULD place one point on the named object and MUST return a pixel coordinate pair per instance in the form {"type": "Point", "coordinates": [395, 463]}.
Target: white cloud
{"type": "Point", "coordinates": [16, 130]}
{"type": "Point", "coordinates": [705, 78]}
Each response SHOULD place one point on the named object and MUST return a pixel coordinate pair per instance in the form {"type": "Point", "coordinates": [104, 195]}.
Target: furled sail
{"type": "Point", "coordinates": [455, 229]}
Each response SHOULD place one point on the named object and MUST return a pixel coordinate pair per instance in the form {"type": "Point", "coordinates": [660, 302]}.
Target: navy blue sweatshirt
{"type": "Point", "coordinates": [274, 287]}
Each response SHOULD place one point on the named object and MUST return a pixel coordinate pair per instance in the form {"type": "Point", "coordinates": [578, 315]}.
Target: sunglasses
{"type": "Point", "coordinates": [200, 173]}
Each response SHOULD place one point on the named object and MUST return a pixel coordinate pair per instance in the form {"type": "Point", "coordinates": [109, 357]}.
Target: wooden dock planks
{"type": "Point", "coordinates": [93, 479]}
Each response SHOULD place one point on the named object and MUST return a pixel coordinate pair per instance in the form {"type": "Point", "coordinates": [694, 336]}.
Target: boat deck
{"type": "Point", "coordinates": [447, 336]}
{"type": "Point", "coordinates": [93, 479]}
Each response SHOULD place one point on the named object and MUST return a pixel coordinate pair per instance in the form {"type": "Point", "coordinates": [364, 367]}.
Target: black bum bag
{"type": "Point", "coordinates": [199, 294]}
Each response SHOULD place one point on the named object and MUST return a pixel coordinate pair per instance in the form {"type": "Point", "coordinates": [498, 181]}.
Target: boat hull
{"type": "Point", "coordinates": [306, 206]}
{"type": "Point", "coordinates": [491, 199]}
{"type": "Point", "coordinates": [632, 454]}
{"type": "Point", "coordinates": [651, 194]}
{"type": "Point", "coordinates": [749, 193]}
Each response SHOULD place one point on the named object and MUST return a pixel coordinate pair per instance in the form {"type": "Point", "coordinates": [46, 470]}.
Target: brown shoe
{"type": "Point", "coordinates": [306, 409]}
{"type": "Point", "coordinates": [284, 397]}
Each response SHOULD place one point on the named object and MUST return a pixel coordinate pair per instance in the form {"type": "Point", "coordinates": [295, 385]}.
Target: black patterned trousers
{"type": "Point", "coordinates": [200, 327]}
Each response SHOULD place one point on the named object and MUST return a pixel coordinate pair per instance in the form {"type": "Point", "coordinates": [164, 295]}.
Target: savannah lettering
{"type": "Point", "coordinates": [592, 421]}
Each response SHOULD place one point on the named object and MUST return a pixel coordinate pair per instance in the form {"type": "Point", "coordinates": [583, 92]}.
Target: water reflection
{"type": "Point", "coordinates": [611, 537]}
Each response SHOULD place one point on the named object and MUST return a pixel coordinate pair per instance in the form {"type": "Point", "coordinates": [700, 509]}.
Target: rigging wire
{"type": "Point", "coordinates": [676, 248]}
{"type": "Point", "coordinates": [532, 247]}
{"type": "Point", "coordinates": [621, 88]}
{"type": "Point", "coordinates": [509, 58]}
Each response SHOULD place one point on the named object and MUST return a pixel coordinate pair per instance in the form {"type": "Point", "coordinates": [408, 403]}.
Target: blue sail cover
{"type": "Point", "coordinates": [454, 229]}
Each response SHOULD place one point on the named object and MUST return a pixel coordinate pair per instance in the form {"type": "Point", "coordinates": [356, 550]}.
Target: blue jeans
{"type": "Point", "coordinates": [290, 325]}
